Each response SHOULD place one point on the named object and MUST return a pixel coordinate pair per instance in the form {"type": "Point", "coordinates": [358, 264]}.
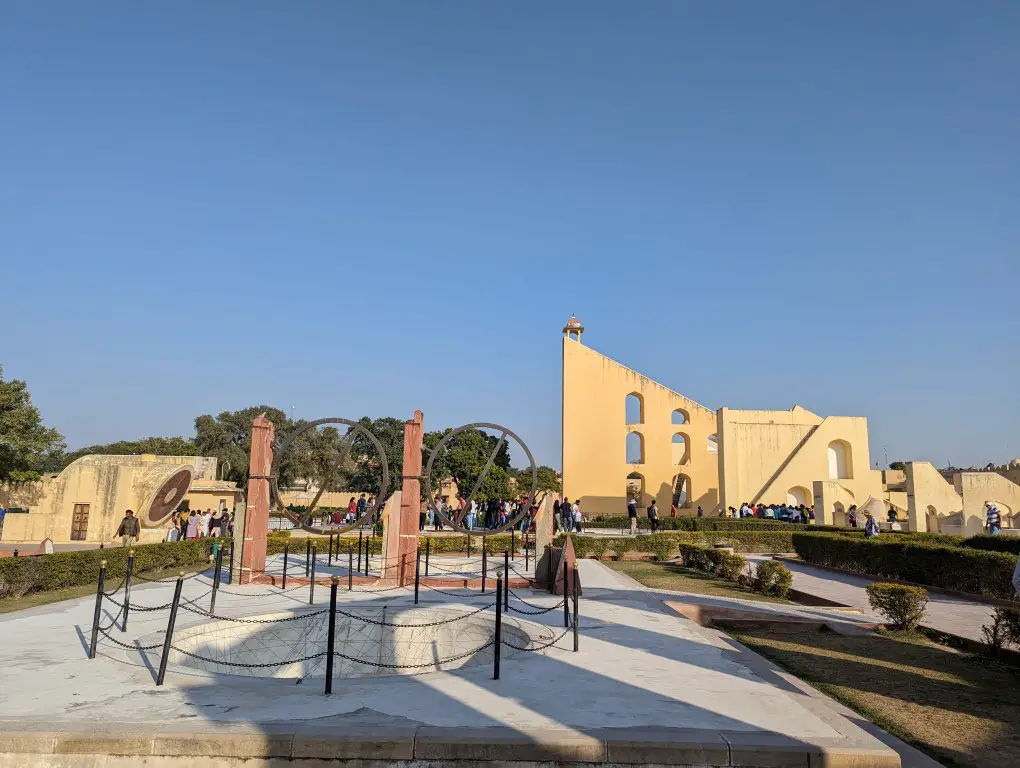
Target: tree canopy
{"type": "Point", "coordinates": [161, 446]}
{"type": "Point", "coordinates": [27, 447]}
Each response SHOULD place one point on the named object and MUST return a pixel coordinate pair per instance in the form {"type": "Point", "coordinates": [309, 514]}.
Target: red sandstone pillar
{"type": "Point", "coordinates": [256, 516]}
{"type": "Point", "coordinates": [401, 558]}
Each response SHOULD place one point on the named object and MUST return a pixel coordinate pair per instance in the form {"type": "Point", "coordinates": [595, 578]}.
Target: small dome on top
{"type": "Point", "coordinates": [573, 328]}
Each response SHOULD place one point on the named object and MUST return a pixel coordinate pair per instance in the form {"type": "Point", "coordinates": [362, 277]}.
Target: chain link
{"type": "Point", "coordinates": [266, 665]}
{"type": "Point", "coordinates": [299, 617]}
{"type": "Point", "coordinates": [537, 648]}
{"type": "Point", "coordinates": [427, 624]}
{"type": "Point", "coordinates": [532, 605]}
{"type": "Point", "coordinates": [115, 641]}
{"type": "Point", "coordinates": [415, 666]}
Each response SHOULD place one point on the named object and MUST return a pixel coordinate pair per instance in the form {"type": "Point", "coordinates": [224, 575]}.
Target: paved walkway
{"type": "Point", "coordinates": [953, 615]}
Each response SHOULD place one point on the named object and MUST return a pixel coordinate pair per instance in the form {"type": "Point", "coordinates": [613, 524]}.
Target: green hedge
{"type": "Point", "coordinates": [705, 524]}
{"type": "Point", "coordinates": [664, 546]}
{"type": "Point", "coordinates": [999, 543]}
{"type": "Point", "coordinates": [24, 575]}
{"type": "Point", "coordinates": [950, 567]}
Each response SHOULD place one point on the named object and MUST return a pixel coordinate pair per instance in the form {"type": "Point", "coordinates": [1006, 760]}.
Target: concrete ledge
{"type": "Point", "coordinates": [315, 743]}
{"type": "Point", "coordinates": [506, 744]}
{"type": "Point", "coordinates": [668, 746]}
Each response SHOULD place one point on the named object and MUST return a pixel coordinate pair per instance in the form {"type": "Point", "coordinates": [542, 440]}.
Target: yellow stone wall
{"type": "Point", "coordinates": [108, 484]}
{"type": "Point", "coordinates": [776, 457]}
{"type": "Point", "coordinates": [595, 466]}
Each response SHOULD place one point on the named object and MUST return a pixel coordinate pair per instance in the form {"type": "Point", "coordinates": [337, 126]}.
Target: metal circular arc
{"type": "Point", "coordinates": [302, 522]}
{"type": "Point", "coordinates": [456, 523]}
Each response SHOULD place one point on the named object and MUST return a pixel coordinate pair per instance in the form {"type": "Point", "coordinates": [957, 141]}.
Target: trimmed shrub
{"type": "Point", "coordinates": [772, 578]}
{"type": "Point", "coordinates": [1010, 544]}
{"type": "Point", "coordinates": [665, 546]}
{"type": "Point", "coordinates": [24, 575]}
{"type": "Point", "coordinates": [729, 566]}
{"type": "Point", "coordinates": [903, 606]}
{"type": "Point", "coordinates": [962, 569]}
{"type": "Point", "coordinates": [704, 524]}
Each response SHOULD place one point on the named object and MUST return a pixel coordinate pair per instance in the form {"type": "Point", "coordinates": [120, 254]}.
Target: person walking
{"type": "Point", "coordinates": [653, 516]}
{"type": "Point", "coordinates": [851, 516]}
{"type": "Point", "coordinates": [993, 519]}
{"type": "Point", "coordinates": [362, 505]}
{"type": "Point", "coordinates": [577, 515]}
{"type": "Point", "coordinates": [560, 512]}
{"type": "Point", "coordinates": [632, 514]}
{"type": "Point", "coordinates": [129, 529]}
{"type": "Point", "coordinates": [701, 512]}
{"type": "Point", "coordinates": [871, 528]}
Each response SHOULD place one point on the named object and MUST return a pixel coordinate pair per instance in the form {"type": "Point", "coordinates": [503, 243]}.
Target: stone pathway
{"type": "Point", "coordinates": [953, 615]}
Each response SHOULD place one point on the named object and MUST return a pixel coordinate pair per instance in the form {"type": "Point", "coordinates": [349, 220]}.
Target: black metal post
{"type": "Point", "coordinates": [361, 535]}
{"type": "Point", "coordinates": [428, 545]}
{"type": "Point", "coordinates": [230, 574]}
{"type": "Point", "coordinates": [527, 536]}
{"type": "Point", "coordinates": [169, 639]}
{"type": "Point", "coordinates": [566, 600]}
{"type": "Point", "coordinates": [468, 546]}
{"type": "Point", "coordinates": [575, 609]}
{"type": "Point", "coordinates": [286, 559]}
{"type": "Point", "coordinates": [417, 575]}
{"type": "Point", "coordinates": [216, 580]}
{"type": "Point", "coordinates": [99, 608]}
{"type": "Point", "coordinates": [308, 554]}
{"type": "Point", "coordinates": [506, 579]}
{"type": "Point", "coordinates": [367, 551]}
{"type": "Point", "coordinates": [127, 588]}
{"type": "Point", "coordinates": [499, 633]}
{"type": "Point", "coordinates": [329, 560]}
{"type": "Point", "coordinates": [485, 567]}
{"type": "Point", "coordinates": [513, 545]}
{"type": "Point", "coordinates": [329, 637]}
{"type": "Point", "coordinates": [350, 567]}
{"type": "Point", "coordinates": [311, 580]}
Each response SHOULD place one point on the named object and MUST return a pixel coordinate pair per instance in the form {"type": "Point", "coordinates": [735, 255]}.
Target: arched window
{"type": "Point", "coordinates": [634, 407]}
{"type": "Point", "coordinates": [682, 495]}
{"type": "Point", "coordinates": [680, 416]}
{"type": "Point", "coordinates": [840, 465]}
{"type": "Point", "coordinates": [680, 452]}
{"type": "Point", "coordinates": [797, 496]}
{"type": "Point", "coordinates": [636, 488]}
{"type": "Point", "coordinates": [713, 444]}
{"type": "Point", "coordinates": [635, 448]}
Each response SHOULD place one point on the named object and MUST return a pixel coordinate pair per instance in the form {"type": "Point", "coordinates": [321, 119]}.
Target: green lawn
{"type": "Point", "coordinates": [668, 576]}
{"type": "Point", "coordinates": [960, 708]}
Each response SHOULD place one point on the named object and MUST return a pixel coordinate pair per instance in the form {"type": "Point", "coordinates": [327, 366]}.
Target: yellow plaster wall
{"type": "Point", "coordinates": [925, 488]}
{"type": "Point", "coordinates": [108, 484]}
{"type": "Point", "coordinates": [765, 454]}
{"type": "Point", "coordinates": [595, 431]}
{"type": "Point", "coordinates": [978, 487]}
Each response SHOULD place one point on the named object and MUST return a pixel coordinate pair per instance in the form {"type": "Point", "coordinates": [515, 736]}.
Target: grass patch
{"type": "Point", "coordinates": [676, 577]}
{"type": "Point", "coordinates": [962, 709]}
{"type": "Point", "coordinates": [34, 599]}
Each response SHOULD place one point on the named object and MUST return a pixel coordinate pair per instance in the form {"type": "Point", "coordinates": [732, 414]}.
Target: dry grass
{"type": "Point", "coordinates": [676, 577]}
{"type": "Point", "coordinates": [962, 709]}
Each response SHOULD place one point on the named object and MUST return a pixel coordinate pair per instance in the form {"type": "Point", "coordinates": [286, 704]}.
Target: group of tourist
{"type": "Point", "coordinates": [786, 513]}
{"type": "Point", "coordinates": [485, 515]}
{"type": "Point", "coordinates": [201, 525]}
{"type": "Point", "coordinates": [355, 509]}
{"type": "Point", "coordinates": [568, 516]}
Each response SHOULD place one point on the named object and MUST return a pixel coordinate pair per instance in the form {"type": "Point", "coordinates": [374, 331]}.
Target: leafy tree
{"type": "Point", "coordinates": [27, 448]}
{"type": "Point", "coordinates": [366, 472]}
{"type": "Point", "coordinates": [228, 438]}
{"type": "Point", "coordinates": [898, 465]}
{"type": "Point", "coordinates": [548, 480]}
{"type": "Point", "coordinates": [161, 446]}
{"type": "Point", "coordinates": [464, 457]}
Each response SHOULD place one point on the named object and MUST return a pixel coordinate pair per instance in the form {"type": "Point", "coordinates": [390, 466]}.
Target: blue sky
{"type": "Point", "coordinates": [351, 209]}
